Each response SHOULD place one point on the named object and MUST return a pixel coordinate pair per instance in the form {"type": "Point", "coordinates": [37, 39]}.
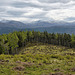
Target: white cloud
{"type": "Point", "coordinates": [32, 10]}
{"type": "Point", "coordinates": [60, 14]}
{"type": "Point", "coordinates": [27, 20]}
{"type": "Point", "coordinates": [55, 1]}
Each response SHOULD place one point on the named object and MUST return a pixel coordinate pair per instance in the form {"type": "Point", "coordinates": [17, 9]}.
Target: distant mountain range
{"type": "Point", "coordinates": [7, 26]}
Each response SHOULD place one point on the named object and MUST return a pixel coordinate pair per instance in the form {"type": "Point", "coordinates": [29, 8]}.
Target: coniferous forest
{"type": "Point", "coordinates": [10, 43]}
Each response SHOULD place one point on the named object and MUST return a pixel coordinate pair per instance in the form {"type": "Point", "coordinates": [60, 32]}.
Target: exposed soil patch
{"type": "Point", "coordinates": [57, 69]}
{"type": "Point", "coordinates": [58, 73]}
{"type": "Point", "coordinates": [25, 63]}
{"type": "Point", "coordinates": [73, 69]}
{"type": "Point", "coordinates": [19, 68]}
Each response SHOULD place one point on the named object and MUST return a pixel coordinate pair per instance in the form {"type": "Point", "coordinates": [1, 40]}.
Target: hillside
{"type": "Point", "coordinates": [56, 27]}
{"type": "Point", "coordinates": [37, 53]}
{"type": "Point", "coordinates": [39, 59]}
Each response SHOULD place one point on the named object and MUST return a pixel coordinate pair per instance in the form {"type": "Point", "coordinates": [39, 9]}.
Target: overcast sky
{"type": "Point", "coordinates": [33, 10]}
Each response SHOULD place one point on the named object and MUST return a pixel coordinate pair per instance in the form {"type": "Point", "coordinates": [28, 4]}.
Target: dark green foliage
{"type": "Point", "coordinates": [10, 43]}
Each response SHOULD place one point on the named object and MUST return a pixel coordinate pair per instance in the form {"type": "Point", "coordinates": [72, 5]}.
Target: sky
{"type": "Point", "coordinates": [34, 10]}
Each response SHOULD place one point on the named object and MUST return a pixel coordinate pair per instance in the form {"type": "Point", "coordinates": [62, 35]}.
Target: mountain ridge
{"type": "Point", "coordinates": [53, 26]}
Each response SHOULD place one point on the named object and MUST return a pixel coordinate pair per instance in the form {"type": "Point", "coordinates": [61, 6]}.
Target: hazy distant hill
{"type": "Point", "coordinates": [10, 26]}
{"type": "Point", "coordinates": [57, 27]}
{"type": "Point", "coordinates": [15, 24]}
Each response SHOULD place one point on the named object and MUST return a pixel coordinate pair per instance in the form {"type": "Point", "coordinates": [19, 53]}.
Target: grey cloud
{"type": "Point", "coordinates": [15, 13]}
{"type": "Point", "coordinates": [48, 7]}
{"type": "Point", "coordinates": [4, 14]}
{"type": "Point", "coordinates": [2, 9]}
{"type": "Point", "coordinates": [41, 15]}
{"type": "Point", "coordinates": [5, 2]}
{"type": "Point", "coordinates": [45, 5]}
{"type": "Point", "coordinates": [70, 18]}
{"type": "Point", "coordinates": [23, 4]}
{"type": "Point", "coordinates": [58, 6]}
{"type": "Point", "coordinates": [54, 1]}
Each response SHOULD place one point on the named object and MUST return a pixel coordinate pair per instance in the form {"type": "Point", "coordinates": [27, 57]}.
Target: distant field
{"type": "Point", "coordinates": [39, 60]}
